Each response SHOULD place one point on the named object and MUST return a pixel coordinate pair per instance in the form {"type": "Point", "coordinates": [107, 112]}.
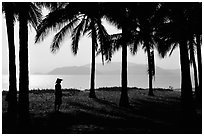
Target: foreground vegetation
{"type": "Point", "coordinates": [161, 113]}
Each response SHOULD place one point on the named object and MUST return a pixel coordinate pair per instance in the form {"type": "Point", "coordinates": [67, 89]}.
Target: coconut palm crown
{"type": "Point", "coordinates": [77, 19]}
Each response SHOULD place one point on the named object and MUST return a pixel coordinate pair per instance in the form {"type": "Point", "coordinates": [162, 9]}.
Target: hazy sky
{"type": "Point", "coordinates": [42, 60]}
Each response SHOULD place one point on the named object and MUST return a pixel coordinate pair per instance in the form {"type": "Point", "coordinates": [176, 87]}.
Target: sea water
{"type": "Point", "coordinates": [83, 81]}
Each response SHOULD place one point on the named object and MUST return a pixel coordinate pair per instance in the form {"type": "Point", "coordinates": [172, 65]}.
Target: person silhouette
{"type": "Point", "coordinates": [58, 94]}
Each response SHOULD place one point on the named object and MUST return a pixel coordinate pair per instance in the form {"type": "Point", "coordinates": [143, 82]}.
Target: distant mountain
{"type": "Point", "coordinates": [74, 70]}
{"type": "Point", "coordinates": [113, 68]}
{"type": "Point", "coordinates": [38, 73]}
{"type": "Point", "coordinates": [133, 69]}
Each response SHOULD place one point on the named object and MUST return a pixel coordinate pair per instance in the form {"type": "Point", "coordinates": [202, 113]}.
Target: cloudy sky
{"type": "Point", "coordinates": [42, 60]}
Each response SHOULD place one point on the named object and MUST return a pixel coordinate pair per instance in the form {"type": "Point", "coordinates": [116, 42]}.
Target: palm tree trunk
{"type": "Point", "coordinates": [23, 61]}
{"type": "Point", "coordinates": [150, 70]}
{"type": "Point", "coordinates": [199, 58]}
{"type": "Point", "coordinates": [124, 102]}
{"type": "Point", "coordinates": [192, 55]}
{"type": "Point", "coordinates": [12, 94]}
{"type": "Point", "coordinates": [186, 87]}
{"type": "Point", "coordinates": [92, 90]}
{"type": "Point", "coordinates": [195, 76]}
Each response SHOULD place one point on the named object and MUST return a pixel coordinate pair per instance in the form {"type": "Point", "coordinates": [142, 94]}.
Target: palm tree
{"type": "Point", "coordinates": [28, 13]}
{"type": "Point", "coordinates": [77, 19]}
{"type": "Point", "coordinates": [173, 32]}
{"type": "Point", "coordinates": [193, 62]}
{"type": "Point", "coordinates": [194, 20]}
{"type": "Point", "coordinates": [199, 58]}
{"type": "Point", "coordinates": [144, 34]}
{"type": "Point", "coordinates": [10, 14]}
{"type": "Point", "coordinates": [196, 25]}
{"type": "Point", "coordinates": [119, 14]}
{"type": "Point", "coordinates": [194, 15]}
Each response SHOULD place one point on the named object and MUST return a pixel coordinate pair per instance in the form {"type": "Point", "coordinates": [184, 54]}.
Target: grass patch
{"type": "Point", "coordinates": [161, 113]}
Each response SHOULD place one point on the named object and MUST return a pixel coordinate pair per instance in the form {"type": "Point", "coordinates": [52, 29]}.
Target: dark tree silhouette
{"type": "Point", "coordinates": [175, 31]}
{"type": "Point", "coordinates": [144, 34]}
{"type": "Point", "coordinates": [194, 15]}
{"type": "Point", "coordinates": [196, 18]}
{"type": "Point", "coordinates": [10, 14]}
{"type": "Point", "coordinates": [79, 20]}
{"type": "Point", "coordinates": [120, 15]}
{"type": "Point", "coordinates": [28, 13]}
{"type": "Point", "coordinates": [193, 62]}
{"type": "Point", "coordinates": [199, 58]}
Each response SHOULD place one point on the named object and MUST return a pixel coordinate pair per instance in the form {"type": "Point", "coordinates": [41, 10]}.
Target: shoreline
{"type": "Point", "coordinates": [83, 82]}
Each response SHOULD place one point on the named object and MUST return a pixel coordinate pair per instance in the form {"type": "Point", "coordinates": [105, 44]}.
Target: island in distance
{"type": "Point", "coordinates": [113, 68]}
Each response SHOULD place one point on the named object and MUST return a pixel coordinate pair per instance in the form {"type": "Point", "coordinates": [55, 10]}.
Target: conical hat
{"type": "Point", "coordinates": [58, 80]}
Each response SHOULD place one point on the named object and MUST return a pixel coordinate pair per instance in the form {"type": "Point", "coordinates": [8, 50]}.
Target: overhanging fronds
{"type": "Point", "coordinates": [76, 34]}
{"type": "Point", "coordinates": [54, 21]}
{"type": "Point", "coordinates": [59, 37]}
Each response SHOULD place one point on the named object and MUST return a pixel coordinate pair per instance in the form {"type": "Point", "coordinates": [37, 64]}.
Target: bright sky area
{"type": "Point", "coordinates": [41, 60]}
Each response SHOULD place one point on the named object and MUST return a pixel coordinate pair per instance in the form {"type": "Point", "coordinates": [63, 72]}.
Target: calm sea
{"type": "Point", "coordinates": [83, 81]}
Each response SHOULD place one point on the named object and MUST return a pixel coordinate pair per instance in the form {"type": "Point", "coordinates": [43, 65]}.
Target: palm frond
{"type": "Point", "coordinates": [86, 26]}
{"type": "Point", "coordinates": [164, 45]}
{"type": "Point", "coordinates": [76, 34]}
{"type": "Point", "coordinates": [51, 5]}
{"type": "Point", "coordinates": [173, 47]}
{"type": "Point", "coordinates": [35, 15]}
{"type": "Point", "coordinates": [134, 42]}
{"type": "Point", "coordinates": [114, 13]}
{"type": "Point", "coordinates": [135, 46]}
{"type": "Point", "coordinates": [59, 37]}
{"type": "Point", "coordinates": [104, 42]}
{"type": "Point", "coordinates": [116, 41]}
{"type": "Point", "coordinates": [54, 21]}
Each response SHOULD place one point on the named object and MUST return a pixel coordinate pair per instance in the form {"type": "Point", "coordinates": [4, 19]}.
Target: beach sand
{"type": "Point", "coordinates": [159, 114]}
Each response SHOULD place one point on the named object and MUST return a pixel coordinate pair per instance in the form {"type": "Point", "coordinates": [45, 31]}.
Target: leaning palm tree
{"type": "Point", "coordinates": [28, 14]}
{"type": "Point", "coordinates": [10, 14]}
{"type": "Point", "coordinates": [77, 19]}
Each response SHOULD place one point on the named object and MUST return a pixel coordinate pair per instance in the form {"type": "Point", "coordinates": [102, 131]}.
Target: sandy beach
{"type": "Point", "coordinates": [160, 114]}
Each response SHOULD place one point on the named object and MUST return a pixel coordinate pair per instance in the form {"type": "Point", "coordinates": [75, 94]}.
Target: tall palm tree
{"type": "Point", "coordinates": [193, 62]}
{"type": "Point", "coordinates": [144, 35]}
{"type": "Point", "coordinates": [28, 14]}
{"type": "Point", "coordinates": [172, 33]}
{"type": "Point", "coordinates": [10, 14]}
{"type": "Point", "coordinates": [196, 25]}
{"type": "Point", "coordinates": [119, 14]}
{"type": "Point", "coordinates": [194, 19]}
{"type": "Point", "coordinates": [199, 58]}
{"type": "Point", "coordinates": [79, 20]}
